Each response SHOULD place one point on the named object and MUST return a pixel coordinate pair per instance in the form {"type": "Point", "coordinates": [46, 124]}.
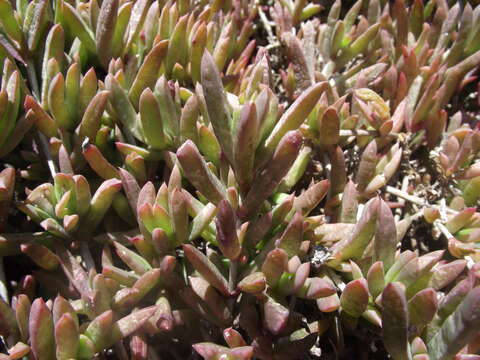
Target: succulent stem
{"type": "Point", "coordinates": [3, 282]}
{"type": "Point", "coordinates": [232, 275]}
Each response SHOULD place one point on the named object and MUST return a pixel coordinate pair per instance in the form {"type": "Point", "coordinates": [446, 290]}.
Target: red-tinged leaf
{"type": "Point", "coordinates": [215, 302]}
{"type": "Point", "coordinates": [99, 331]}
{"type": "Point", "coordinates": [292, 237]}
{"type": "Point", "coordinates": [349, 206]}
{"type": "Point", "coordinates": [152, 122]}
{"type": "Point", "coordinates": [296, 114]}
{"type": "Point", "coordinates": [134, 261]}
{"type": "Point", "coordinates": [354, 298]}
{"type": "Point", "coordinates": [60, 307]}
{"type": "Point", "coordinates": [418, 346]}
{"type": "Point", "coordinates": [121, 276]}
{"type": "Point", "coordinates": [188, 119]}
{"type": "Point", "coordinates": [217, 104]}
{"type": "Point", "coordinates": [206, 268]}
{"type": "Point", "coordinates": [92, 116]}
{"type": "Point", "coordinates": [155, 217]}
{"type": "Point", "coordinates": [395, 321]}
{"type": "Point", "coordinates": [8, 50]}
{"type": "Point", "coordinates": [421, 357]}
{"type": "Point", "coordinates": [18, 351]}
{"type": "Point", "coordinates": [146, 195]}
{"type": "Point", "coordinates": [64, 161]}
{"type": "Point", "coordinates": [202, 220]}
{"type": "Point", "coordinates": [431, 214]}
{"type": "Point", "coordinates": [404, 258]}
{"type": "Point", "coordinates": [9, 22]}
{"type": "Point", "coordinates": [416, 277]}
{"type": "Point", "coordinates": [8, 325]}
{"type": "Point", "coordinates": [196, 304]}
{"type": "Point", "coordinates": [129, 324]}
{"type": "Point", "coordinates": [139, 348]}
{"type": "Point", "coordinates": [444, 274]}
{"type": "Point", "coordinates": [317, 288]}
{"type": "Point", "coordinates": [226, 231]}
{"type": "Point", "coordinates": [458, 329]}
{"type": "Point", "coordinates": [301, 275]}
{"type": "Point", "coordinates": [41, 331]}
{"type": "Point", "coordinates": [66, 337]}
{"type": "Point", "coordinates": [293, 264]}
{"type": "Point", "coordinates": [245, 144]}
{"type": "Point", "coordinates": [338, 173]}
{"type": "Point", "coordinates": [355, 244]}
{"type": "Point", "coordinates": [124, 110]}
{"type": "Point", "coordinates": [376, 279]}
{"type": "Point", "coordinates": [7, 184]}
{"type": "Point", "coordinates": [198, 173]}
{"type": "Point", "coordinates": [366, 168]}
{"type": "Point", "coordinates": [107, 19]}
{"type": "Point", "coordinates": [329, 127]}
{"type": "Point", "coordinates": [73, 270]}
{"type": "Point", "coordinates": [178, 206]}
{"type": "Point", "coordinates": [385, 236]}
{"type": "Point", "coordinates": [160, 241]}
{"type": "Point", "coordinates": [83, 194]}
{"type": "Point", "coordinates": [310, 198]}
{"type": "Point", "coordinates": [274, 265]}
{"type": "Point", "coordinates": [267, 180]}
{"type": "Point", "coordinates": [101, 201]}
{"type": "Point", "coordinates": [275, 316]}
{"type": "Point", "coordinates": [463, 357]}
{"type": "Point", "coordinates": [163, 319]}
{"type": "Point", "coordinates": [455, 296]}
{"type": "Point", "coordinates": [43, 121]}
{"type": "Point", "coordinates": [210, 351]}
{"type": "Point", "coordinates": [41, 255]}
{"type": "Point", "coordinates": [130, 187]}
{"type": "Point", "coordinates": [233, 338]}
{"type": "Point", "coordinates": [253, 283]}
{"type": "Point", "coordinates": [147, 282]}
{"type": "Point", "coordinates": [147, 74]}
{"type": "Point", "coordinates": [329, 303]}
{"type": "Point", "coordinates": [422, 307]}
{"type": "Point", "coordinates": [458, 221]}
{"type": "Point", "coordinates": [98, 162]}
{"type": "Point", "coordinates": [22, 313]}
{"type": "Point", "coordinates": [22, 127]}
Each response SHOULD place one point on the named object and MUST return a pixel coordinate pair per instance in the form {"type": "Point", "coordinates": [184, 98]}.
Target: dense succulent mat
{"type": "Point", "coordinates": [239, 179]}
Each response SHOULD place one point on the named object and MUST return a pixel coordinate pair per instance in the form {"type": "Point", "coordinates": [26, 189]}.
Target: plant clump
{"type": "Point", "coordinates": [239, 179]}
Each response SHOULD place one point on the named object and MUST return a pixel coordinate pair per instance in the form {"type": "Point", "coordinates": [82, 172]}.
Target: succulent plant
{"type": "Point", "coordinates": [239, 179]}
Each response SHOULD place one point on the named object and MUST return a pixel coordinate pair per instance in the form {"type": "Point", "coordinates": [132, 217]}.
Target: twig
{"type": "Point", "coordinates": [404, 195]}
{"type": "Point", "coordinates": [266, 24]}
{"type": "Point", "coordinates": [404, 188]}
{"type": "Point", "coordinates": [443, 229]}
{"type": "Point", "coordinates": [273, 46]}
{"type": "Point", "coordinates": [439, 223]}
{"type": "Point", "coordinates": [414, 199]}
